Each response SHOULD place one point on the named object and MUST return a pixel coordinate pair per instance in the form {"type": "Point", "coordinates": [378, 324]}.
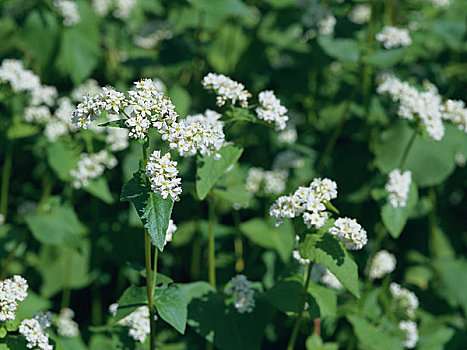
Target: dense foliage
{"type": "Point", "coordinates": [233, 175]}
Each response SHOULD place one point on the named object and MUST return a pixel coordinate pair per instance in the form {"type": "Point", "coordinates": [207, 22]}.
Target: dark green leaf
{"type": "Point", "coordinates": [171, 306]}
{"type": "Point", "coordinates": [385, 58]}
{"type": "Point", "coordinates": [132, 298]}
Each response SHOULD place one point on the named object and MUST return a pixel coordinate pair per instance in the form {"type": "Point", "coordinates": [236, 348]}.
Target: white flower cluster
{"type": "Point", "coordinates": [226, 89]}
{"type": "Point", "coordinates": [411, 333]}
{"type": "Point", "coordinates": [350, 233]}
{"type": "Point", "coordinates": [404, 299]}
{"type": "Point", "coordinates": [360, 13]}
{"type": "Point", "coordinates": [271, 111]}
{"type": "Point", "coordinates": [138, 321]}
{"type": "Point", "coordinates": [69, 11]}
{"type": "Point", "coordinates": [33, 329]}
{"type": "Point", "coordinates": [66, 326]}
{"type": "Point", "coordinates": [20, 79]}
{"type": "Point", "coordinates": [91, 166]}
{"type": "Point", "coordinates": [455, 112]}
{"type": "Point", "coordinates": [440, 3]}
{"type": "Point", "coordinates": [426, 105]}
{"type": "Point", "coordinates": [393, 37]}
{"type": "Point", "coordinates": [289, 135]}
{"type": "Point", "coordinates": [317, 17]}
{"type": "Point", "coordinates": [330, 280]}
{"type": "Point", "coordinates": [288, 159]}
{"type": "Point", "coordinates": [201, 133]}
{"type": "Point", "coordinates": [162, 173]}
{"type": "Point", "coordinates": [398, 187]}
{"type": "Point", "coordinates": [117, 139]}
{"type": "Point", "coordinates": [307, 201]}
{"type": "Point", "coordinates": [270, 181]}
{"type": "Point", "coordinates": [12, 291]}
{"type": "Point", "coordinates": [113, 309]}
{"type": "Point", "coordinates": [326, 25]}
{"type": "Point", "coordinates": [150, 41]}
{"type": "Point", "coordinates": [382, 264]}
{"type": "Point", "coordinates": [170, 231]}
{"type": "Point", "coordinates": [244, 294]}
{"type": "Point", "coordinates": [123, 8]}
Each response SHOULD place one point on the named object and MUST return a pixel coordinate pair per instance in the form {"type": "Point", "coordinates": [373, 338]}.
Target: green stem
{"type": "Point", "coordinates": [154, 274]}
{"type": "Point", "coordinates": [296, 328]}
{"type": "Point", "coordinates": [6, 174]}
{"type": "Point", "coordinates": [11, 255]}
{"type": "Point", "coordinates": [238, 244]}
{"type": "Point", "coordinates": [147, 255]}
{"type": "Point", "coordinates": [407, 150]}
{"type": "Point", "coordinates": [212, 256]}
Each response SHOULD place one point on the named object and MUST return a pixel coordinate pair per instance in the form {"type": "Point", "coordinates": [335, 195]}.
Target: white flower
{"type": "Point", "coordinates": [170, 231]}
{"type": "Point", "coordinates": [151, 40]}
{"type": "Point", "coordinates": [350, 233]}
{"type": "Point", "coordinates": [382, 264]}
{"type": "Point", "coordinates": [411, 333]}
{"type": "Point", "coordinates": [12, 291]}
{"type": "Point", "coordinates": [90, 86]}
{"type": "Point", "coordinates": [13, 72]}
{"type": "Point", "coordinates": [330, 280]}
{"type": "Point", "coordinates": [287, 159]}
{"type": "Point", "coordinates": [37, 114]}
{"type": "Point", "coordinates": [440, 3]}
{"type": "Point", "coordinates": [124, 8]}
{"type": "Point", "coordinates": [113, 309]}
{"type": "Point", "coordinates": [69, 11]}
{"type": "Point", "coordinates": [66, 326]}
{"type": "Point", "coordinates": [456, 112]}
{"type": "Point", "coordinates": [91, 166]}
{"type": "Point", "coordinates": [404, 299]}
{"type": "Point", "coordinates": [392, 37]}
{"type": "Point", "coordinates": [44, 95]}
{"type": "Point", "coordinates": [271, 111]}
{"type": "Point", "coordinates": [162, 173]}
{"type": "Point", "coordinates": [326, 25]}
{"type": "Point", "coordinates": [272, 182]}
{"type": "Point", "coordinates": [244, 294]}
{"type": "Point", "coordinates": [33, 330]}
{"type": "Point", "coordinates": [398, 187]}
{"type": "Point", "coordinates": [289, 135]}
{"type": "Point", "coordinates": [360, 13]}
{"type": "Point", "coordinates": [138, 321]}
{"type": "Point", "coordinates": [226, 89]}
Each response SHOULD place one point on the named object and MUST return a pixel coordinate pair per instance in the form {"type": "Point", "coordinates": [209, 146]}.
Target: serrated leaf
{"type": "Point", "coordinates": [394, 219]}
{"type": "Point", "coordinates": [209, 169]}
{"type": "Point", "coordinates": [153, 210]}
{"type": "Point", "coordinates": [325, 249]}
{"type": "Point", "coordinates": [171, 306]}
{"type": "Point", "coordinates": [132, 298]}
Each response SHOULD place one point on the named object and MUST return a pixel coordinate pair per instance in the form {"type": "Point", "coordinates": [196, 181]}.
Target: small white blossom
{"type": "Point", "coordinates": [69, 11]}
{"type": "Point", "coordinates": [360, 13]}
{"type": "Point", "coordinates": [162, 173]}
{"type": "Point", "coordinates": [139, 324]}
{"type": "Point", "coordinates": [170, 231]}
{"type": "Point", "coordinates": [124, 8]}
{"type": "Point", "coordinates": [404, 299]}
{"type": "Point", "coordinates": [271, 110]}
{"type": "Point", "coordinates": [244, 293]}
{"type": "Point", "coordinates": [90, 86]}
{"type": "Point", "coordinates": [350, 233]}
{"type": "Point", "coordinates": [33, 330]}
{"type": "Point", "coordinates": [289, 135]}
{"type": "Point", "coordinates": [44, 94]}
{"type": "Point", "coordinates": [20, 79]}
{"type": "Point", "coordinates": [411, 333]}
{"type": "Point", "coordinates": [91, 166]}
{"type": "Point", "coordinates": [330, 280]}
{"type": "Point", "coordinates": [113, 309]}
{"type": "Point", "coordinates": [382, 264]}
{"type": "Point", "coordinates": [37, 114]}
{"type": "Point", "coordinates": [392, 37]}
{"type": "Point", "coordinates": [271, 182]}
{"type": "Point", "coordinates": [455, 112]}
{"type": "Point", "coordinates": [226, 89]}
{"type": "Point", "coordinates": [12, 291]}
{"type": "Point", "coordinates": [398, 187]}
{"type": "Point", "coordinates": [440, 3]}
{"type": "Point", "coordinates": [66, 326]}
{"type": "Point", "coordinates": [150, 41]}
{"type": "Point", "coordinates": [101, 7]}
{"type": "Point", "coordinates": [326, 25]}
{"type": "Point", "coordinates": [288, 160]}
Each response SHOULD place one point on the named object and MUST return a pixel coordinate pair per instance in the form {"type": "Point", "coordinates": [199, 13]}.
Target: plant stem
{"type": "Point", "coordinates": [238, 244]}
{"type": "Point", "coordinates": [212, 256]}
{"type": "Point", "coordinates": [296, 328]}
{"type": "Point", "coordinates": [407, 150]}
{"type": "Point", "coordinates": [11, 255]}
{"type": "Point", "coordinates": [6, 174]}
{"type": "Point", "coordinates": [147, 255]}
{"type": "Point", "coordinates": [154, 273]}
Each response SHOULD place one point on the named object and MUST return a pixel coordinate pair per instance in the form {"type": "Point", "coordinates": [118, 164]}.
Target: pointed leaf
{"type": "Point", "coordinates": [132, 298]}
{"type": "Point", "coordinates": [171, 306]}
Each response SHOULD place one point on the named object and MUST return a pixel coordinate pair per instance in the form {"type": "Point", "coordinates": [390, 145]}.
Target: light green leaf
{"type": "Point", "coordinates": [325, 249]}
{"type": "Point", "coordinates": [32, 304]}
{"type": "Point", "coordinates": [209, 169]}
{"type": "Point", "coordinates": [99, 188]}
{"type": "Point", "coordinates": [452, 281]}
{"type": "Point", "coordinates": [267, 235]}
{"type": "Point", "coordinates": [315, 342]}
{"type": "Point", "coordinates": [325, 298]}
{"type": "Point", "coordinates": [153, 210]}
{"type": "Point", "coordinates": [341, 49]}
{"type": "Point", "coordinates": [385, 58]}
{"type": "Point", "coordinates": [371, 337]}
{"type": "Point", "coordinates": [20, 130]}
{"type": "Point", "coordinates": [181, 99]}
{"type": "Point", "coordinates": [171, 306]}
{"type": "Point", "coordinates": [62, 158]}
{"type": "Point", "coordinates": [222, 8]}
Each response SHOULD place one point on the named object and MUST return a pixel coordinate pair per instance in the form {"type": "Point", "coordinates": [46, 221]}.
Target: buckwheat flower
{"type": "Point", "coordinates": [398, 187]}
{"type": "Point", "coordinates": [69, 11]}
{"type": "Point", "coordinates": [89, 109]}
{"type": "Point", "coordinates": [324, 189]}
{"type": "Point", "coordinates": [404, 299]}
{"type": "Point", "coordinates": [20, 79]}
{"type": "Point", "coordinates": [66, 326]}
{"type": "Point", "coordinates": [113, 100]}
{"type": "Point", "coordinates": [393, 37]}
{"type": "Point", "coordinates": [350, 233]}
{"type": "Point", "coordinates": [138, 321]}
{"type": "Point", "coordinates": [326, 25]}
{"type": "Point", "coordinates": [360, 13]}
{"type": "Point", "coordinates": [289, 135]}
{"type": "Point", "coordinates": [102, 7]}
{"type": "Point", "coordinates": [382, 264]}
{"type": "Point", "coordinates": [152, 39]}
{"type": "Point", "coordinates": [91, 166]}
{"type": "Point", "coordinates": [90, 86]}
{"type": "Point", "coordinates": [44, 95]}
{"type": "Point", "coordinates": [33, 330]}
{"type": "Point", "coordinates": [254, 179]}
{"type": "Point", "coordinates": [226, 89]}
{"type": "Point", "coordinates": [440, 3]}
{"type": "Point", "coordinates": [117, 139]}
{"type": "Point", "coordinates": [270, 182]}
{"type": "Point", "coordinates": [460, 159]}
{"type": "Point", "coordinates": [124, 8]}
{"type": "Point", "coordinates": [113, 309]}
{"type": "Point", "coordinates": [287, 159]}
{"type": "Point", "coordinates": [330, 280]}
{"type": "Point", "coordinates": [54, 129]}
{"type": "Point", "coordinates": [162, 173]}
{"type": "Point", "coordinates": [315, 219]}
{"type": "Point", "coordinates": [271, 111]}
{"type": "Point", "coordinates": [170, 231]}
{"type": "Point", "coordinates": [12, 291]}
{"type": "Point", "coordinates": [411, 333]}
{"type": "Point", "coordinates": [37, 114]}
{"type": "Point", "coordinates": [456, 112]}
{"type": "Point", "coordinates": [285, 207]}
{"type": "Point", "coordinates": [244, 293]}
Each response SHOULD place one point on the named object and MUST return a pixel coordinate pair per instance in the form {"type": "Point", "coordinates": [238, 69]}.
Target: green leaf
{"type": "Point", "coordinates": [20, 130]}
{"type": "Point", "coordinates": [153, 210]}
{"type": "Point", "coordinates": [341, 49]}
{"type": "Point", "coordinates": [132, 298]}
{"type": "Point", "coordinates": [371, 337]}
{"type": "Point", "coordinates": [180, 98]}
{"type": "Point", "coordinates": [325, 249]}
{"type": "Point", "coordinates": [433, 334]}
{"type": "Point", "coordinates": [385, 58]}
{"type": "Point", "coordinates": [222, 8]}
{"type": "Point", "coordinates": [171, 306]}
{"type": "Point", "coordinates": [452, 32]}
{"type": "Point", "coordinates": [267, 235]}
{"type": "Point", "coordinates": [394, 219]}
{"type": "Point", "coordinates": [99, 188]}
{"type": "Point", "coordinates": [209, 169]}
{"type": "Point", "coordinates": [286, 295]}
{"type": "Point", "coordinates": [32, 304]}
{"type": "Point", "coordinates": [325, 298]}
{"type": "Point", "coordinates": [452, 281]}
{"type": "Point", "coordinates": [3, 334]}
{"type": "Point", "coordinates": [73, 343]}
{"type": "Point", "coordinates": [315, 342]}
{"type": "Point", "coordinates": [57, 225]}
{"type": "Point", "coordinates": [62, 158]}
{"type": "Point", "coordinates": [120, 123]}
